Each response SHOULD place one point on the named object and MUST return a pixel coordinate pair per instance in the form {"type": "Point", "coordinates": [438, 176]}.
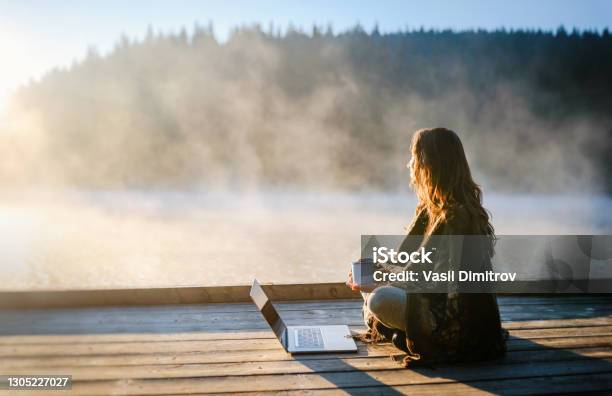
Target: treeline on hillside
{"type": "Point", "coordinates": [318, 110]}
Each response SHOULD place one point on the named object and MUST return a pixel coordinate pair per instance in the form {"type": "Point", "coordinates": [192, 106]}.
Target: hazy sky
{"type": "Point", "coordinates": [36, 35]}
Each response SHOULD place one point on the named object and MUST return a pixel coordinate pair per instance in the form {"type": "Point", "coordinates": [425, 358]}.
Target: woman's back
{"type": "Point", "coordinates": [453, 327]}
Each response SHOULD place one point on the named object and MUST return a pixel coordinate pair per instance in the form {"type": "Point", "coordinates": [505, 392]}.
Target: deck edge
{"type": "Point", "coordinates": [170, 295]}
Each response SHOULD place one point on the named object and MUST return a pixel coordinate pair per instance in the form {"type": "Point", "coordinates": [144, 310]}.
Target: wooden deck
{"type": "Point", "coordinates": [557, 345]}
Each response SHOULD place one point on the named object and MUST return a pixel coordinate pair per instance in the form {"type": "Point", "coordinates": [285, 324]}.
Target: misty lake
{"type": "Point", "coordinates": [85, 240]}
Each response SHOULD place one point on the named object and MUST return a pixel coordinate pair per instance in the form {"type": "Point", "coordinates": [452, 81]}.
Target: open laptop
{"type": "Point", "coordinates": [302, 339]}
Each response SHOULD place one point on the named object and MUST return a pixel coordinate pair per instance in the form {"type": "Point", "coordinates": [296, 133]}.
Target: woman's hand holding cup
{"type": "Point", "coordinates": [356, 286]}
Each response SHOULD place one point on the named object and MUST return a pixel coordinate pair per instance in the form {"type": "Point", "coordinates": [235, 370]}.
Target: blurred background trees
{"type": "Point", "coordinates": [317, 110]}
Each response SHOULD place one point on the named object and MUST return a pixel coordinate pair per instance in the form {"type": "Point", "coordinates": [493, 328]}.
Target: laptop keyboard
{"type": "Point", "coordinates": [308, 338]}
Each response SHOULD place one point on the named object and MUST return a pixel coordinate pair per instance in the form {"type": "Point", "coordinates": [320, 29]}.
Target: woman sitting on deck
{"type": "Point", "coordinates": [439, 327]}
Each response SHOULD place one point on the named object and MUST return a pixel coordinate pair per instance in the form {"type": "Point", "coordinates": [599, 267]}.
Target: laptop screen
{"type": "Point", "coordinates": [268, 311]}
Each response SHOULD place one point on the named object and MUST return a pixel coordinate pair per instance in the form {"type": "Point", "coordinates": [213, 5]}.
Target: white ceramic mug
{"type": "Point", "coordinates": [363, 272]}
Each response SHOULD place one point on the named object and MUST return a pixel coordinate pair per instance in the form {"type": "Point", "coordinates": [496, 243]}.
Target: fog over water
{"type": "Point", "coordinates": [178, 160]}
{"type": "Point", "coordinates": [83, 240]}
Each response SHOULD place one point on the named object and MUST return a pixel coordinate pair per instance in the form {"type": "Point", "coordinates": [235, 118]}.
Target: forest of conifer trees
{"type": "Point", "coordinates": [318, 110]}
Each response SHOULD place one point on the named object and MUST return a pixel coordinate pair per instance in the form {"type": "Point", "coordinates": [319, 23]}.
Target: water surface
{"type": "Point", "coordinates": [94, 240]}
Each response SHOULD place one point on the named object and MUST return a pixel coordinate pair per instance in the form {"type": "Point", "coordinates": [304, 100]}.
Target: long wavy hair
{"type": "Point", "coordinates": [441, 177]}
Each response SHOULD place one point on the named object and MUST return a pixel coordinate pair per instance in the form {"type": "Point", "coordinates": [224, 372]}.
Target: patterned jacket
{"type": "Point", "coordinates": [451, 327]}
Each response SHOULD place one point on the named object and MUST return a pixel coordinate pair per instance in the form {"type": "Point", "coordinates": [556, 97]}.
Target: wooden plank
{"type": "Point", "coordinates": [516, 328]}
{"type": "Point", "coordinates": [567, 384]}
{"type": "Point", "coordinates": [218, 321]}
{"type": "Point", "coordinates": [188, 308]}
{"type": "Point", "coordinates": [239, 355]}
{"type": "Point", "coordinates": [239, 326]}
{"type": "Point", "coordinates": [334, 380]}
{"type": "Point", "coordinates": [250, 334]}
{"type": "Point", "coordinates": [554, 299]}
{"type": "Point", "coordinates": [148, 321]}
{"type": "Point", "coordinates": [224, 343]}
{"type": "Point", "coordinates": [286, 306]}
{"type": "Point", "coordinates": [293, 366]}
{"type": "Point", "coordinates": [508, 309]}
{"type": "Point", "coordinates": [561, 332]}
{"type": "Point", "coordinates": [173, 295]}
{"type": "Point", "coordinates": [269, 342]}
{"type": "Point", "coordinates": [178, 316]}
{"type": "Point", "coordinates": [521, 344]}
{"type": "Point", "coordinates": [226, 322]}
{"type": "Point", "coordinates": [136, 337]}
{"type": "Point", "coordinates": [137, 347]}
{"type": "Point", "coordinates": [559, 323]}
{"type": "Point", "coordinates": [520, 316]}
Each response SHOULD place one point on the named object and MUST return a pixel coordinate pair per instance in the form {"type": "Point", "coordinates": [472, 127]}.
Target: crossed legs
{"type": "Point", "coordinates": [388, 305]}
